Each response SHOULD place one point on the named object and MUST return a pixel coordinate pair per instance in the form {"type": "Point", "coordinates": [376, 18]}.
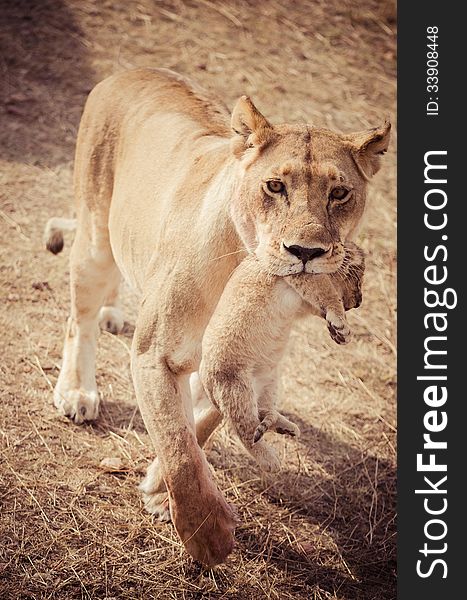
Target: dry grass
{"type": "Point", "coordinates": [71, 528]}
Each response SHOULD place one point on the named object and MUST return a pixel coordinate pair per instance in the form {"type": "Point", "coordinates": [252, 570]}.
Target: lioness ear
{"type": "Point", "coordinates": [369, 146]}
{"type": "Point", "coordinates": [247, 120]}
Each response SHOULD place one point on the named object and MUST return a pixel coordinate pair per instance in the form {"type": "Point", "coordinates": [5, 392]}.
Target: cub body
{"type": "Point", "coordinates": [247, 334]}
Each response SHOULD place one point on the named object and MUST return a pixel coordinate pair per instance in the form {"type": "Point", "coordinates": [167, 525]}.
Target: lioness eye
{"type": "Point", "coordinates": [339, 193]}
{"type": "Point", "coordinates": [276, 187]}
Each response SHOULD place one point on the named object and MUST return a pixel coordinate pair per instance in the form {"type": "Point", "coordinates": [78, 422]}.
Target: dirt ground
{"type": "Point", "coordinates": [71, 528]}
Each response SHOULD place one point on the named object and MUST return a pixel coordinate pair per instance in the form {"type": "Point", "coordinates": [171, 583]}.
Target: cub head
{"type": "Point", "coordinates": [302, 190]}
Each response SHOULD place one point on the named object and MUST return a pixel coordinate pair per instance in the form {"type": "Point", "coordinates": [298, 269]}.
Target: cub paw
{"type": "Point", "coordinates": [338, 328]}
{"type": "Point", "coordinates": [275, 421]}
{"type": "Point", "coordinates": [286, 427]}
{"type": "Point", "coordinates": [352, 298]}
{"type": "Point", "coordinates": [111, 319]}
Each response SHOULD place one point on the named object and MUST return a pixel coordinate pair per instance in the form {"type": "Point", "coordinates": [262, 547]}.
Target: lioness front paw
{"type": "Point", "coordinates": [338, 328]}
{"type": "Point", "coordinates": [77, 404]}
{"type": "Point", "coordinates": [206, 525]}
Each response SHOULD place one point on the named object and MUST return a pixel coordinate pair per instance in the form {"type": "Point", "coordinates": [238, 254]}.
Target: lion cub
{"type": "Point", "coordinates": [247, 335]}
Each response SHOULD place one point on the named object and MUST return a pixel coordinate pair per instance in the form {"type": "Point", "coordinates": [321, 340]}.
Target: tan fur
{"type": "Point", "coordinates": [246, 337]}
{"type": "Point", "coordinates": [170, 198]}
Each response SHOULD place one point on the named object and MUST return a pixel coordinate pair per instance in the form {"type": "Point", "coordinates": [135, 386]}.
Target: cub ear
{"type": "Point", "coordinates": [248, 122]}
{"type": "Point", "coordinates": [368, 147]}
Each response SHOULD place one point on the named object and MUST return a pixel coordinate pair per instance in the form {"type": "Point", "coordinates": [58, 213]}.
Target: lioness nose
{"type": "Point", "coordinates": [303, 253]}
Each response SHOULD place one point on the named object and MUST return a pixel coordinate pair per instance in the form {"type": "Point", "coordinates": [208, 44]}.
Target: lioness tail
{"type": "Point", "coordinates": [53, 234]}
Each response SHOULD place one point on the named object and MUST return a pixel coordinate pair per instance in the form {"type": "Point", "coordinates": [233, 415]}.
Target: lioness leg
{"type": "Point", "coordinates": [92, 273]}
{"type": "Point", "coordinates": [206, 419]}
{"type": "Point", "coordinates": [161, 363]}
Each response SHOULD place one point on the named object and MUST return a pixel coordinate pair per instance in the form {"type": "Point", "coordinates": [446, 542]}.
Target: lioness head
{"type": "Point", "coordinates": [303, 189]}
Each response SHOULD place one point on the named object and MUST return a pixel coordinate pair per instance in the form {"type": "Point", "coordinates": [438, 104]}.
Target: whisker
{"type": "Point", "coordinates": [229, 254]}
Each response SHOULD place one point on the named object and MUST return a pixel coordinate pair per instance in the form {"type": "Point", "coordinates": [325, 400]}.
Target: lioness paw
{"type": "Point", "coordinates": [78, 404]}
{"type": "Point", "coordinates": [158, 506]}
{"type": "Point", "coordinates": [207, 527]}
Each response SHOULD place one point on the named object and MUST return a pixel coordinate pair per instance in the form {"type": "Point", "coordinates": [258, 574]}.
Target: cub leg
{"type": "Point", "coordinates": [234, 394]}
{"type": "Point", "coordinates": [207, 417]}
{"type": "Point", "coordinates": [92, 273]}
{"type": "Point", "coordinates": [154, 491]}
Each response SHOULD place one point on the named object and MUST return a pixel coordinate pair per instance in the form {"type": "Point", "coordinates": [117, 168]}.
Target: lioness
{"type": "Point", "coordinates": [172, 194]}
{"type": "Point", "coordinates": [246, 336]}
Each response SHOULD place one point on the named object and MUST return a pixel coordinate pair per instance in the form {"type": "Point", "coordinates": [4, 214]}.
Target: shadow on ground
{"type": "Point", "coordinates": [46, 75]}
{"type": "Point", "coordinates": [349, 500]}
